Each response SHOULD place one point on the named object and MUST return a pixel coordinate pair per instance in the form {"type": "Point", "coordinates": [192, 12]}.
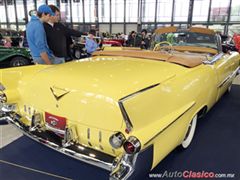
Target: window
{"type": "Point", "coordinates": [148, 10]}
{"type": "Point", "coordinates": [53, 2]}
{"type": "Point", "coordinates": [65, 11]}
{"type": "Point", "coordinates": [90, 12]}
{"type": "Point", "coordinates": [181, 10]}
{"type": "Point", "coordinates": [164, 10]}
{"type": "Point", "coordinates": [2, 12]}
{"type": "Point", "coordinates": [22, 27]}
{"type": "Point", "coordinates": [219, 28]}
{"type": "Point", "coordinates": [131, 10]}
{"type": "Point", "coordinates": [11, 11]}
{"type": "Point", "coordinates": [219, 10]}
{"type": "Point", "coordinates": [117, 10]}
{"type": "Point", "coordinates": [200, 10]}
{"type": "Point", "coordinates": [30, 6]}
{"type": "Point", "coordinates": [235, 12]}
{"type": "Point", "coordinates": [234, 29]}
{"type": "Point", "coordinates": [104, 11]}
{"type": "Point", "coordinates": [40, 2]}
{"type": "Point", "coordinates": [77, 11]}
{"type": "Point", "coordinates": [149, 27]}
{"type": "Point", "coordinates": [20, 11]}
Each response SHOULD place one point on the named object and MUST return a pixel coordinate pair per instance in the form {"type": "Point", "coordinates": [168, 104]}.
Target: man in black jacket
{"type": "Point", "coordinates": [57, 35]}
{"type": "Point", "coordinates": [145, 43]}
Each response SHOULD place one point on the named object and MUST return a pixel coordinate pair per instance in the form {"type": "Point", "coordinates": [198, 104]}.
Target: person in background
{"type": "Point", "coordinates": [91, 45]}
{"type": "Point", "coordinates": [133, 40]}
{"type": "Point", "coordinates": [145, 43]}
{"type": "Point", "coordinates": [36, 36]}
{"type": "Point", "coordinates": [58, 35]}
{"type": "Point", "coordinates": [7, 42]}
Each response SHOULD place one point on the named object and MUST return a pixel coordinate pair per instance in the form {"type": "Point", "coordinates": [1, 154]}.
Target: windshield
{"type": "Point", "coordinates": [186, 39]}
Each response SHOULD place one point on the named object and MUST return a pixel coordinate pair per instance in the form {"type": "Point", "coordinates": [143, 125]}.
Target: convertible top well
{"type": "Point", "coordinates": [187, 60]}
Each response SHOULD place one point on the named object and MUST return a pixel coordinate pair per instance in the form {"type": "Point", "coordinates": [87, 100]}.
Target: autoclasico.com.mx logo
{"type": "Point", "coordinates": [191, 174]}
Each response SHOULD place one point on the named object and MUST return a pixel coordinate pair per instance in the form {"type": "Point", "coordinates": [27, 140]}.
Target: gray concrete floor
{"type": "Point", "coordinates": [8, 134]}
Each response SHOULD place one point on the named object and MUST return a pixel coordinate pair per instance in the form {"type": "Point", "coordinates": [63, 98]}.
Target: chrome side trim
{"type": "Point", "coordinates": [2, 88]}
{"type": "Point", "coordinates": [76, 151]}
{"type": "Point", "coordinates": [214, 59]}
{"type": "Point", "coordinates": [229, 77]}
{"type": "Point", "coordinates": [156, 135]}
{"type": "Point", "coordinates": [238, 71]}
{"type": "Point", "coordinates": [126, 118]}
{"type": "Point", "coordinates": [100, 136]}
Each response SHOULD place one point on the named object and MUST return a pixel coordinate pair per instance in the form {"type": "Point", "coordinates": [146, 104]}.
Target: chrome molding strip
{"type": "Point", "coordinates": [123, 110]}
{"type": "Point", "coordinates": [55, 130]}
{"type": "Point", "coordinates": [215, 59]}
{"type": "Point", "coordinates": [229, 77]}
{"type": "Point", "coordinates": [137, 92]}
{"type": "Point", "coordinates": [81, 153]}
{"type": "Point", "coordinates": [169, 125]}
{"type": "Point", "coordinates": [125, 117]}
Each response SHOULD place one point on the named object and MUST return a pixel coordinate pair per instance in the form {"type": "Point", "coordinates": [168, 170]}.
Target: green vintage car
{"type": "Point", "coordinates": [12, 57]}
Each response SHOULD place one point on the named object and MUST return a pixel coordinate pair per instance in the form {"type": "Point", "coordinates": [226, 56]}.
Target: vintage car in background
{"type": "Point", "coordinates": [230, 43]}
{"type": "Point", "coordinates": [236, 40]}
{"type": "Point", "coordinates": [14, 56]}
{"type": "Point", "coordinates": [79, 51]}
{"type": "Point", "coordinates": [122, 110]}
{"type": "Point", "coordinates": [15, 36]}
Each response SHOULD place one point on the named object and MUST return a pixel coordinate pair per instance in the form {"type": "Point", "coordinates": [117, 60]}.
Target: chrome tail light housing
{"type": "Point", "coordinates": [132, 145]}
{"type": "Point", "coordinates": [117, 140]}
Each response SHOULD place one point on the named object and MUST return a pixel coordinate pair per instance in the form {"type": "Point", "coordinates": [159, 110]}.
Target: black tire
{"type": "Point", "coordinates": [19, 61]}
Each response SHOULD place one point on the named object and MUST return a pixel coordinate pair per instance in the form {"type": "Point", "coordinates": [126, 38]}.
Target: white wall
{"type": "Point", "coordinates": [117, 28]}
{"type": "Point", "coordinates": [104, 27]}
{"type": "Point", "coordinates": [131, 27]}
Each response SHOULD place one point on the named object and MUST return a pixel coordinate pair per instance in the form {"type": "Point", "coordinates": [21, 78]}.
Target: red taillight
{"type": "Point", "coordinates": [132, 145]}
{"type": "Point", "coordinates": [129, 147]}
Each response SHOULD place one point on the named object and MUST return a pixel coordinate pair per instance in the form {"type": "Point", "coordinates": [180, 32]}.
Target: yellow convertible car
{"type": "Point", "coordinates": [122, 110]}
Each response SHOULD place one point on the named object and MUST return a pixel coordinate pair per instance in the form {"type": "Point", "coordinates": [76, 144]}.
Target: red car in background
{"type": "Point", "coordinates": [236, 39]}
{"type": "Point", "coordinates": [79, 51]}
{"type": "Point", "coordinates": [111, 42]}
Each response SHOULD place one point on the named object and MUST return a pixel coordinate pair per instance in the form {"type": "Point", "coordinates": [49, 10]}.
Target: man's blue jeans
{"type": "Point", "coordinates": [54, 60]}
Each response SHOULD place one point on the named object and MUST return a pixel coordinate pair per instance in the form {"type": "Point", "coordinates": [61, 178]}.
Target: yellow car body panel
{"type": "Point", "coordinates": [149, 99]}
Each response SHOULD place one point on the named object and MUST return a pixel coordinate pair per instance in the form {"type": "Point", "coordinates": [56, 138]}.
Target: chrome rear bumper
{"type": "Point", "coordinates": [119, 167]}
{"type": "Point", "coordinates": [52, 141]}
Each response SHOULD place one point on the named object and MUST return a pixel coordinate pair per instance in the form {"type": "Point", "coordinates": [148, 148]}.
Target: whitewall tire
{"type": "Point", "coordinates": [190, 133]}
{"type": "Point", "coordinates": [229, 88]}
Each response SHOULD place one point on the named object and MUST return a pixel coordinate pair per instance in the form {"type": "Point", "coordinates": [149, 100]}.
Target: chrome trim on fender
{"type": "Point", "coordinates": [238, 71]}
{"type": "Point", "coordinates": [156, 135]}
{"type": "Point", "coordinates": [229, 77]}
{"type": "Point", "coordinates": [214, 59]}
{"type": "Point", "coordinates": [2, 88]}
{"type": "Point", "coordinates": [126, 118]}
{"type": "Point", "coordinates": [123, 110]}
